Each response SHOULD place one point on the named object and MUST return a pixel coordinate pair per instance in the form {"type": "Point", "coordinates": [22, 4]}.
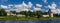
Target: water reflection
{"type": "Point", "coordinates": [29, 21]}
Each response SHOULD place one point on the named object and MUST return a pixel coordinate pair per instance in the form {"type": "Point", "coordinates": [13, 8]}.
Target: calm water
{"type": "Point", "coordinates": [29, 21]}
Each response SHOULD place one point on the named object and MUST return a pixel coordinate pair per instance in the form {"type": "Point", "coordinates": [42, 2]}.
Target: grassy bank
{"type": "Point", "coordinates": [23, 18]}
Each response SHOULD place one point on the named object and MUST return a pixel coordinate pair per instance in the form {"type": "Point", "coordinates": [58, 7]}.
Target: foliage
{"type": "Point", "coordinates": [31, 14]}
{"type": "Point", "coordinates": [3, 12]}
{"type": "Point", "coordinates": [14, 12]}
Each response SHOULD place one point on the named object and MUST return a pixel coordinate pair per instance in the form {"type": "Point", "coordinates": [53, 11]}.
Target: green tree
{"type": "Point", "coordinates": [32, 14]}
{"type": "Point", "coordinates": [39, 14]}
{"type": "Point", "coordinates": [24, 13]}
{"type": "Point", "coordinates": [14, 12]}
{"type": "Point", "coordinates": [3, 12]}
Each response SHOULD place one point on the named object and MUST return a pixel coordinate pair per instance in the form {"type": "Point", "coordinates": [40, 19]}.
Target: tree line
{"type": "Point", "coordinates": [26, 13]}
{"type": "Point", "coordinates": [32, 14]}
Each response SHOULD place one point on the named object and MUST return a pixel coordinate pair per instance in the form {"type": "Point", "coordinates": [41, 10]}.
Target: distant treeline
{"type": "Point", "coordinates": [26, 13]}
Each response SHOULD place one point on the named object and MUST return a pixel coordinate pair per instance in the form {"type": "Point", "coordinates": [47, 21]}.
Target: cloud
{"type": "Point", "coordinates": [25, 9]}
{"type": "Point", "coordinates": [52, 6]}
{"type": "Point", "coordinates": [10, 5]}
{"type": "Point", "coordinates": [38, 5]}
{"type": "Point", "coordinates": [55, 11]}
{"type": "Point", "coordinates": [3, 6]}
{"type": "Point", "coordinates": [21, 7]}
{"type": "Point", "coordinates": [18, 6]}
{"type": "Point", "coordinates": [7, 10]}
{"type": "Point", "coordinates": [30, 4]}
{"type": "Point", "coordinates": [45, 1]}
{"type": "Point", "coordinates": [37, 9]}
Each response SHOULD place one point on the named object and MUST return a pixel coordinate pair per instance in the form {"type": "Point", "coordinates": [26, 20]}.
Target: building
{"type": "Point", "coordinates": [18, 14]}
{"type": "Point", "coordinates": [48, 14]}
{"type": "Point", "coordinates": [10, 14]}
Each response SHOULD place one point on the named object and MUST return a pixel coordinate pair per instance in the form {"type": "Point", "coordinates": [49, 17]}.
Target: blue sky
{"type": "Point", "coordinates": [55, 4]}
{"type": "Point", "coordinates": [6, 2]}
{"type": "Point", "coordinates": [26, 1]}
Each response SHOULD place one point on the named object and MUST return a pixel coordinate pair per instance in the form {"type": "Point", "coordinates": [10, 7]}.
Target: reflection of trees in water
{"type": "Point", "coordinates": [29, 21]}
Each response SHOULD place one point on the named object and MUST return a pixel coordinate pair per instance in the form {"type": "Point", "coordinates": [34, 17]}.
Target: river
{"type": "Point", "coordinates": [29, 21]}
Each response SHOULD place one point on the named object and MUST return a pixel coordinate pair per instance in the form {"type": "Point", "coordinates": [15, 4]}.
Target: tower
{"type": "Point", "coordinates": [50, 13]}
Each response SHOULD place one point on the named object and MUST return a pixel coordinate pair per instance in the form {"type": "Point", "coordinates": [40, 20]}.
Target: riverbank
{"type": "Point", "coordinates": [26, 18]}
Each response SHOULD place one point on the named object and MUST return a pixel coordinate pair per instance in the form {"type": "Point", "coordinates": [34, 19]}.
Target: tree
{"type": "Point", "coordinates": [3, 12]}
{"type": "Point", "coordinates": [14, 12]}
{"type": "Point", "coordinates": [24, 13]}
{"type": "Point", "coordinates": [31, 14]}
{"type": "Point", "coordinates": [39, 14]}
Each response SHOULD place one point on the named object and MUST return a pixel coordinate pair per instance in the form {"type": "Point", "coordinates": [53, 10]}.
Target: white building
{"type": "Point", "coordinates": [10, 14]}
{"type": "Point", "coordinates": [49, 14]}
{"type": "Point", "coordinates": [19, 15]}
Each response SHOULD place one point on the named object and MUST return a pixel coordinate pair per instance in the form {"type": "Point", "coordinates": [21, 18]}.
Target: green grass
{"type": "Point", "coordinates": [23, 18]}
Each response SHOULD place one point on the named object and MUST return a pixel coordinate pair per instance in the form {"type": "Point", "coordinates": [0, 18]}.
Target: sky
{"type": "Point", "coordinates": [32, 5]}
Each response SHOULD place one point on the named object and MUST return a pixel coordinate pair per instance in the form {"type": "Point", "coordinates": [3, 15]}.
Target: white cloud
{"type": "Point", "coordinates": [7, 10]}
{"type": "Point", "coordinates": [3, 6]}
{"type": "Point", "coordinates": [18, 6]}
{"type": "Point", "coordinates": [30, 4]}
{"type": "Point", "coordinates": [10, 5]}
{"type": "Point", "coordinates": [55, 11]}
{"type": "Point", "coordinates": [38, 5]}
{"type": "Point", "coordinates": [37, 9]}
{"type": "Point", "coordinates": [45, 1]}
{"type": "Point", "coordinates": [21, 7]}
{"type": "Point", "coordinates": [12, 9]}
{"type": "Point", "coordinates": [52, 6]}
{"type": "Point", "coordinates": [25, 10]}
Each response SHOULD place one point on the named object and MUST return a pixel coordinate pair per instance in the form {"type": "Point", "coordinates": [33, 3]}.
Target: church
{"type": "Point", "coordinates": [48, 14]}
